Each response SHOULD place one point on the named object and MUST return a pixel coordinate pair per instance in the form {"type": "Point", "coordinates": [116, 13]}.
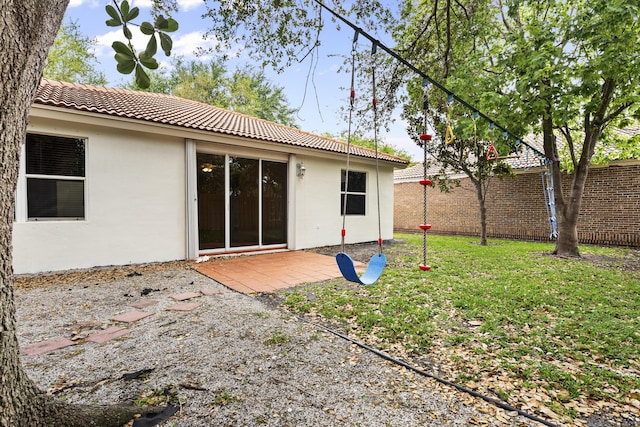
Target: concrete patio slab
{"type": "Point", "coordinates": [185, 296]}
{"type": "Point", "coordinates": [46, 346]}
{"type": "Point", "coordinates": [108, 334]}
{"type": "Point", "coordinates": [143, 303]}
{"type": "Point", "coordinates": [184, 306]}
{"type": "Point", "coordinates": [132, 316]}
{"type": "Point", "coordinates": [270, 272]}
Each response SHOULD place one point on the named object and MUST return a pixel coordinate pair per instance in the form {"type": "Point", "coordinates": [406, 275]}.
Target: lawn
{"type": "Point", "coordinates": [558, 338]}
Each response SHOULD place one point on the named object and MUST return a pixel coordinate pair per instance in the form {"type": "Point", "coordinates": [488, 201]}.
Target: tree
{"type": "Point", "coordinates": [573, 69]}
{"type": "Point", "coordinates": [445, 38]}
{"type": "Point", "coordinates": [27, 31]}
{"type": "Point", "coordinates": [554, 68]}
{"type": "Point", "coordinates": [362, 141]}
{"type": "Point", "coordinates": [245, 91]}
{"type": "Point", "coordinates": [71, 59]}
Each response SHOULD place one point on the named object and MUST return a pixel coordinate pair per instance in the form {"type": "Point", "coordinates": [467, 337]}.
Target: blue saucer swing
{"type": "Point", "coordinates": [371, 274]}
{"type": "Point", "coordinates": [378, 261]}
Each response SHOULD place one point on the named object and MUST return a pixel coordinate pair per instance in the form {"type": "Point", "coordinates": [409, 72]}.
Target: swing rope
{"type": "Point", "coordinates": [352, 97]}
{"type": "Point", "coordinates": [375, 143]}
{"type": "Point", "coordinates": [377, 261]}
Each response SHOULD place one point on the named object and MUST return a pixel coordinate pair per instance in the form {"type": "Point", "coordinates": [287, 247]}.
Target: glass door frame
{"type": "Point", "coordinates": [193, 148]}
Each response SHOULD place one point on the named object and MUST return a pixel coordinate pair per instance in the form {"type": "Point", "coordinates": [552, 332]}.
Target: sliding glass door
{"type": "Point", "coordinates": [211, 203]}
{"type": "Point", "coordinates": [242, 202]}
{"type": "Point", "coordinates": [244, 197]}
{"type": "Point", "coordinates": [274, 203]}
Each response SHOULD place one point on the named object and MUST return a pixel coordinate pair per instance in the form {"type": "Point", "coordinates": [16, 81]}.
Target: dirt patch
{"type": "Point", "coordinates": [629, 262]}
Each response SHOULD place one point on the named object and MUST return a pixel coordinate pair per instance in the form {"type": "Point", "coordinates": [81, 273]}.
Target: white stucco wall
{"type": "Point", "coordinates": [135, 208]}
{"type": "Point", "coordinates": [317, 204]}
{"type": "Point", "coordinates": [136, 186]}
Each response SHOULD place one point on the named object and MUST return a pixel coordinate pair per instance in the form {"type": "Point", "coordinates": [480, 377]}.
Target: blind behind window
{"type": "Point", "coordinates": [53, 155]}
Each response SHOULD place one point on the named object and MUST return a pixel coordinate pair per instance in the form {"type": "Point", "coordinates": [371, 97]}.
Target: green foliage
{"type": "Point", "coordinates": [282, 32]}
{"type": "Point", "coordinates": [128, 60]}
{"type": "Point", "coordinates": [277, 338]}
{"type": "Point", "coordinates": [618, 144]}
{"type": "Point", "coordinates": [71, 59]}
{"type": "Point", "coordinates": [360, 140]}
{"type": "Point", "coordinates": [574, 63]}
{"type": "Point", "coordinates": [508, 315]}
{"type": "Point", "coordinates": [247, 91]}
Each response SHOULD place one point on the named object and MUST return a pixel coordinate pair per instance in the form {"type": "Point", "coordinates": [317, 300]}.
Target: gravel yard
{"type": "Point", "coordinates": [231, 361]}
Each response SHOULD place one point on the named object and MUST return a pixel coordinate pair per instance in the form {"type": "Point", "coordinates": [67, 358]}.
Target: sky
{"type": "Point", "coordinates": [318, 91]}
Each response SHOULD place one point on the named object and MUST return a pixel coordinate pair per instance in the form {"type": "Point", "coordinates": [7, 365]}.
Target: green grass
{"type": "Point", "coordinates": [506, 317]}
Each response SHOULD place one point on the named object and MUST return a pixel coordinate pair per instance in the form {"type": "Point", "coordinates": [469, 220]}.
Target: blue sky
{"type": "Point", "coordinates": [319, 105]}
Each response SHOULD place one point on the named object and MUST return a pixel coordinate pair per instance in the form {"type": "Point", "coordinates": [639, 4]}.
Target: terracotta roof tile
{"type": "Point", "coordinates": [175, 111]}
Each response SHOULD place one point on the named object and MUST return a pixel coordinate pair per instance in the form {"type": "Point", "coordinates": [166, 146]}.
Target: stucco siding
{"type": "Point", "coordinates": [135, 205]}
{"type": "Point", "coordinates": [317, 199]}
{"type": "Point", "coordinates": [136, 194]}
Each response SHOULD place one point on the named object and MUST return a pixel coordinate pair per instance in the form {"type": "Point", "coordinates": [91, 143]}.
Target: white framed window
{"type": "Point", "coordinates": [55, 177]}
{"type": "Point", "coordinates": [356, 193]}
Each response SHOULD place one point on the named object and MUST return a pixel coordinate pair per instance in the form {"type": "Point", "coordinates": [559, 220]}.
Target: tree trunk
{"type": "Point", "coordinates": [567, 243]}
{"type": "Point", "coordinates": [27, 30]}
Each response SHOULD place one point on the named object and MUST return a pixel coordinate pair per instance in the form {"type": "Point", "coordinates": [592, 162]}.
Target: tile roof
{"type": "Point", "coordinates": [175, 111]}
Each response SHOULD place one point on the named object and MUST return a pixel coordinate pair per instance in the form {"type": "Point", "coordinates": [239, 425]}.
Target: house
{"type": "Point", "coordinates": [114, 177]}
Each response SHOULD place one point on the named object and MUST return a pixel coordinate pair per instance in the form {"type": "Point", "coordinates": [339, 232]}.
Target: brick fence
{"type": "Point", "coordinates": [610, 212]}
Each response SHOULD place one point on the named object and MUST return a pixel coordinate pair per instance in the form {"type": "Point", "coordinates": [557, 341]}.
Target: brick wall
{"type": "Point", "coordinates": [610, 212]}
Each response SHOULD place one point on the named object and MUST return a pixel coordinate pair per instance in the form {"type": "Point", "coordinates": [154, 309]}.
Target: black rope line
{"type": "Point", "coordinates": [428, 78]}
{"type": "Point", "coordinates": [419, 371]}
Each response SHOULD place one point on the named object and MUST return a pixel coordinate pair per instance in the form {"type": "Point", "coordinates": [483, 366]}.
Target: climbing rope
{"type": "Point", "coordinates": [425, 137]}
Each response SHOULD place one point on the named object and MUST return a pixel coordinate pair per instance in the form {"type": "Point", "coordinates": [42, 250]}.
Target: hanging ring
{"type": "Point", "coordinates": [449, 137]}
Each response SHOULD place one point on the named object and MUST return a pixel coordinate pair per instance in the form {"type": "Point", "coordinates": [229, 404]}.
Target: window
{"type": "Point", "coordinates": [355, 193]}
{"type": "Point", "coordinates": [55, 171]}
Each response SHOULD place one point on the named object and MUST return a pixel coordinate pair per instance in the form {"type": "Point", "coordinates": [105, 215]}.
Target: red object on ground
{"type": "Point", "coordinates": [424, 267]}
{"type": "Point", "coordinates": [425, 226]}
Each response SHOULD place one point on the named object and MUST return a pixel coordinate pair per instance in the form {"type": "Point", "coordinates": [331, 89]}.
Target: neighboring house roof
{"type": "Point", "coordinates": [629, 131]}
{"type": "Point", "coordinates": [416, 172]}
{"type": "Point", "coordinates": [526, 159]}
{"type": "Point", "coordinates": [175, 111]}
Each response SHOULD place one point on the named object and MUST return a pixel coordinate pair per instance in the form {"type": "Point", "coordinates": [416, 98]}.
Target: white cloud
{"type": "Point", "coordinates": [104, 41]}
{"type": "Point", "coordinates": [188, 4]}
{"type": "Point", "coordinates": [184, 45]}
{"type": "Point", "coordinates": [141, 3]}
{"type": "Point", "coordinates": [78, 3]}
{"type": "Point", "coordinates": [188, 45]}
{"type": "Point", "coordinates": [183, 5]}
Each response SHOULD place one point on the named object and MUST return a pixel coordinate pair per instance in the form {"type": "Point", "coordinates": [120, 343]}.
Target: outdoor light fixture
{"type": "Point", "coordinates": [300, 169]}
{"type": "Point", "coordinates": [207, 167]}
